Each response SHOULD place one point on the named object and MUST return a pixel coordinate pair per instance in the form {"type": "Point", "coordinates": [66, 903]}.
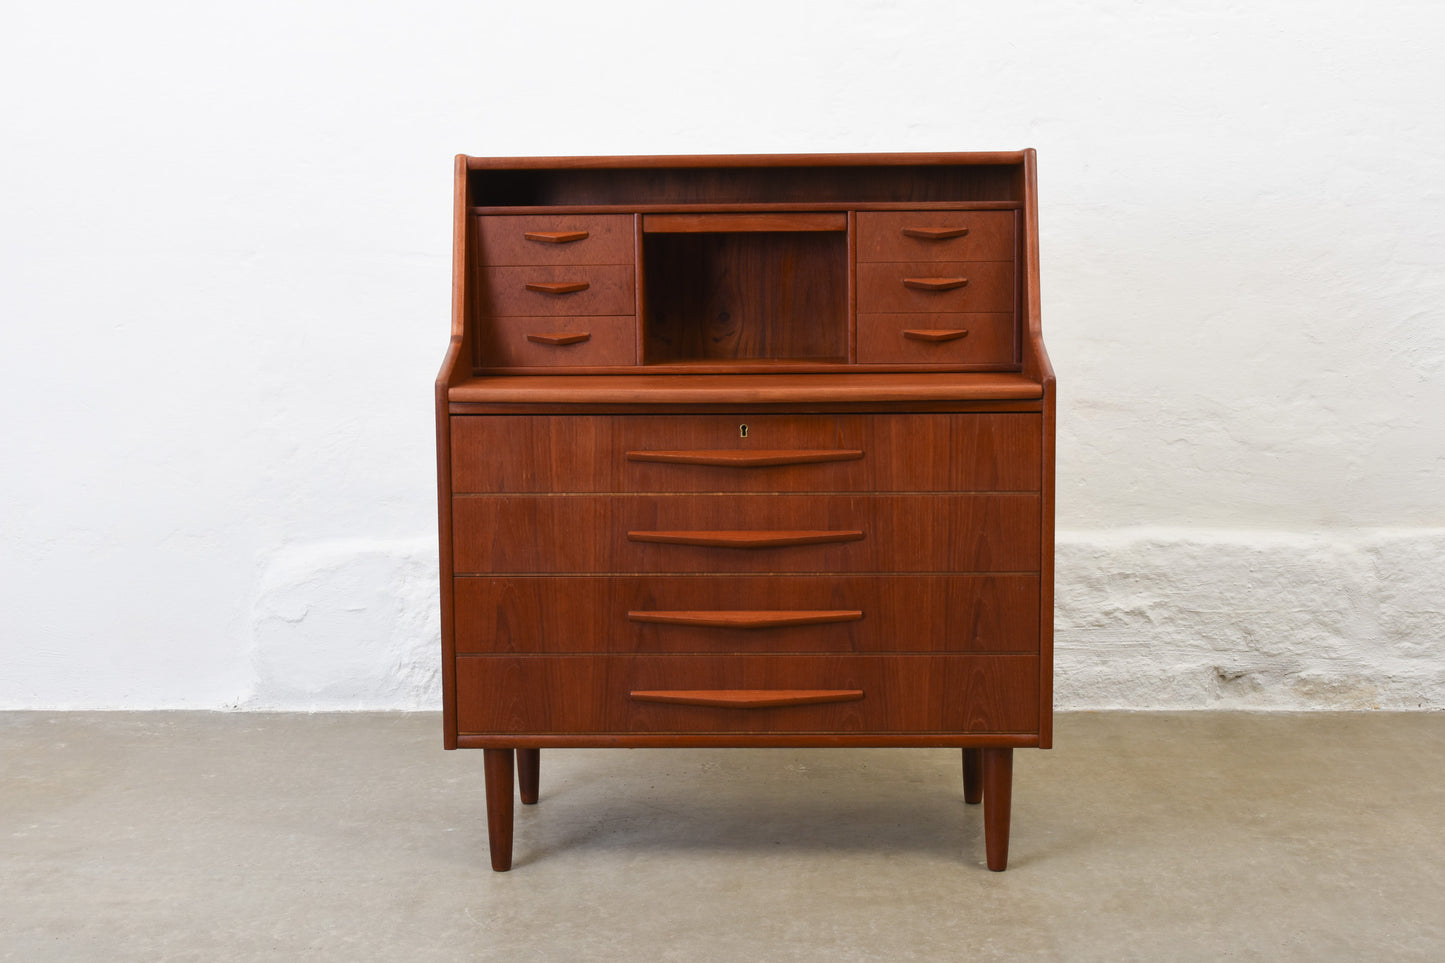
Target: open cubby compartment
{"type": "Point", "coordinates": [678, 182]}
{"type": "Point", "coordinates": [734, 287]}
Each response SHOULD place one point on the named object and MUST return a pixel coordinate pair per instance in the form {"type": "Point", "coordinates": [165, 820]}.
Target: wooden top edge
{"type": "Point", "coordinates": [745, 388]}
{"type": "Point", "coordinates": [609, 162]}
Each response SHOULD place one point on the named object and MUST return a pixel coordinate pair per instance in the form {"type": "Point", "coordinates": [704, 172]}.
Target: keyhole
{"type": "Point", "coordinates": [742, 431]}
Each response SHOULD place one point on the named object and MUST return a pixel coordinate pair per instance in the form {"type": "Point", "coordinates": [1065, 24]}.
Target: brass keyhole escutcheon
{"type": "Point", "coordinates": [742, 431]}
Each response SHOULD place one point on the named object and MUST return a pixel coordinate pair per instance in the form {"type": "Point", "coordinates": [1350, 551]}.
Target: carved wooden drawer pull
{"type": "Point", "coordinates": [570, 337]}
{"type": "Point", "coordinates": [935, 334]}
{"type": "Point", "coordinates": [557, 287]}
{"type": "Point", "coordinates": [730, 458]}
{"type": "Point", "coordinates": [929, 284]}
{"type": "Point", "coordinates": [934, 233]}
{"type": "Point", "coordinates": [747, 698]}
{"type": "Point", "coordinates": [556, 237]}
{"type": "Point", "coordinates": [744, 539]}
{"type": "Point", "coordinates": [748, 620]}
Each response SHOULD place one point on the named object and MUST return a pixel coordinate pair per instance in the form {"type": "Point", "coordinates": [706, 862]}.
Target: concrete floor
{"type": "Point", "coordinates": [209, 836]}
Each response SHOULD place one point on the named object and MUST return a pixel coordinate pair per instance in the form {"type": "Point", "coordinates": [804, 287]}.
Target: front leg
{"type": "Point", "coordinates": [998, 774]}
{"type": "Point", "coordinates": [497, 764]}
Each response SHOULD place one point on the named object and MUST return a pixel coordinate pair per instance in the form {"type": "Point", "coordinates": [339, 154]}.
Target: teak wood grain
{"type": "Point", "coordinates": [609, 341]}
{"type": "Point", "coordinates": [584, 289]}
{"type": "Point", "coordinates": [988, 338]}
{"type": "Point", "coordinates": [933, 236]}
{"type": "Point", "coordinates": [725, 223]}
{"type": "Point", "coordinates": [525, 534]}
{"type": "Point", "coordinates": [750, 451]}
{"type": "Point", "coordinates": [600, 453]}
{"type": "Point", "coordinates": [904, 693]}
{"type": "Point", "coordinates": [988, 286]}
{"type": "Point", "coordinates": [709, 388]}
{"type": "Point", "coordinates": [561, 239]}
{"type": "Point", "coordinates": [900, 613]}
{"type": "Point", "coordinates": [731, 295]}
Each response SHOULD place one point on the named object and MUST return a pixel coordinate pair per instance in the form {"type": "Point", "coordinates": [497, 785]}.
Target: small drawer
{"type": "Point", "coordinates": [936, 339]}
{"type": "Point", "coordinates": [936, 286]}
{"type": "Point", "coordinates": [600, 534]}
{"type": "Point", "coordinates": [528, 342]}
{"type": "Point", "coordinates": [541, 695]}
{"type": "Point", "coordinates": [746, 614]}
{"type": "Point", "coordinates": [985, 451]}
{"type": "Point", "coordinates": [555, 239]}
{"type": "Point", "coordinates": [936, 236]}
{"type": "Point", "coordinates": [557, 291]}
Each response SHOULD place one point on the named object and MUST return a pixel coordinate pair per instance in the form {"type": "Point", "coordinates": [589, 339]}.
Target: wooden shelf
{"type": "Point", "coordinates": [745, 208]}
{"type": "Point", "coordinates": [745, 389]}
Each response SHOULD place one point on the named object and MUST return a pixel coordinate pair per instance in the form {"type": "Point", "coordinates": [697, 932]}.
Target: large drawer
{"type": "Point", "coordinates": [936, 286]}
{"type": "Point", "coordinates": [720, 453]}
{"type": "Point", "coordinates": [741, 694]}
{"type": "Point", "coordinates": [747, 614]}
{"type": "Point", "coordinates": [557, 290]}
{"type": "Point", "coordinates": [597, 534]}
{"type": "Point", "coordinates": [556, 239]}
{"type": "Point", "coordinates": [936, 236]}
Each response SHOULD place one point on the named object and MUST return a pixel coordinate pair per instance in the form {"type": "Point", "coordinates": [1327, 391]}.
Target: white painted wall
{"type": "Point", "coordinates": [224, 292]}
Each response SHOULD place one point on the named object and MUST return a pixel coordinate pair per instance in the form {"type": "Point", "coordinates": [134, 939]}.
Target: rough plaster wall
{"type": "Point", "coordinates": [224, 290]}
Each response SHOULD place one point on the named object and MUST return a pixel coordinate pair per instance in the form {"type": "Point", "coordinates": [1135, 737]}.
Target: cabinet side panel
{"type": "Point", "coordinates": [1036, 364]}
{"type": "Point", "coordinates": [458, 365]}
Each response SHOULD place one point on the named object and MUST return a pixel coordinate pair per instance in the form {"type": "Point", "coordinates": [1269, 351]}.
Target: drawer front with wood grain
{"type": "Point", "coordinates": [557, 290]}
{"type": "Point", "coordinates": [544, 342]}
{"type": "Point", "coordinates": [936, 286]}
{"type": "Point", "coordinates": [747, 694]}
{"type": "Point", "coordinates": [721, 453]}
{"type": "Point", "coordinates": [555, 239]}
{"type": "Point", "coordinates": [747, 614]}
{"type": "Point", "coordinates": [936, 339]}
{"type": "Point", "coordinates": [936, 236]}
{"type": "Point", "coordinates": [598, 534]}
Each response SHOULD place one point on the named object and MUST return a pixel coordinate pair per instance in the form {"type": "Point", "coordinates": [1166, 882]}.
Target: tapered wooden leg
{"type": "Point", "coordinates": [498, 765]}
{"type": "Point", "coordinates": [998, 777]}
{"type": "Point", "coordinates": [528, 764]}
{"type": "Point", "coordinates": [972, 776]}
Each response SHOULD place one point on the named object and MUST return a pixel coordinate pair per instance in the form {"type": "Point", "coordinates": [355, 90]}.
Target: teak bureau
{"type": "Point", "coordinates": [747, 451]}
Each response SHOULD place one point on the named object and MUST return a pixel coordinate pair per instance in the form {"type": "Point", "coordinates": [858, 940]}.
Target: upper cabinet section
{"type": "Point", "coordinates": [744, 265]}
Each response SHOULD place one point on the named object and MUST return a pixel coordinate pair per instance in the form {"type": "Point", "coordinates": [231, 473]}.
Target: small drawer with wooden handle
{"type": "Point", "coordinates": [522, 614]}
{"type": "Point", "coordinates": [598, 534]}
{"type": "Point", "coordinates": [550, 342]}
{"type": "Point", "coordinates": [557, 291]}
{"type": "Point", "coordinates": [763, 453]}
{"type": "Point", "coordinates": [555, 239]}
{"type": "Point", "coordinates": [972, 339]}
{"type": "Point", "coordinates": [936, 287]}
{"type": "Point", "coordinates": [541, 695]}
{"type": "Point", "coordinates": [936, 236]}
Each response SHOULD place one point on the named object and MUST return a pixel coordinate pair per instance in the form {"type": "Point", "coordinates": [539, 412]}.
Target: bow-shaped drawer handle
{"type": "Point", "coordinates": [556, 237]}
{"type": "Point", "coordinates": [934, 233]}
{"type": "Point", "coordinates": [570, 337]}
{"type": "Point", "coordinates": [742, 458]}
{"type": "Point", "coordinates": [732, 619]}
{"type": "Point", "coordinates": [931, 284]}
{"type": "Point", "coordinates": [557, 287]}
{"type": "Point", "coordinates": [746, 539]}
{"type": "Point", "coordinates": [935, 334]}
{"type": "Point", "coordinates": [746, 698]}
